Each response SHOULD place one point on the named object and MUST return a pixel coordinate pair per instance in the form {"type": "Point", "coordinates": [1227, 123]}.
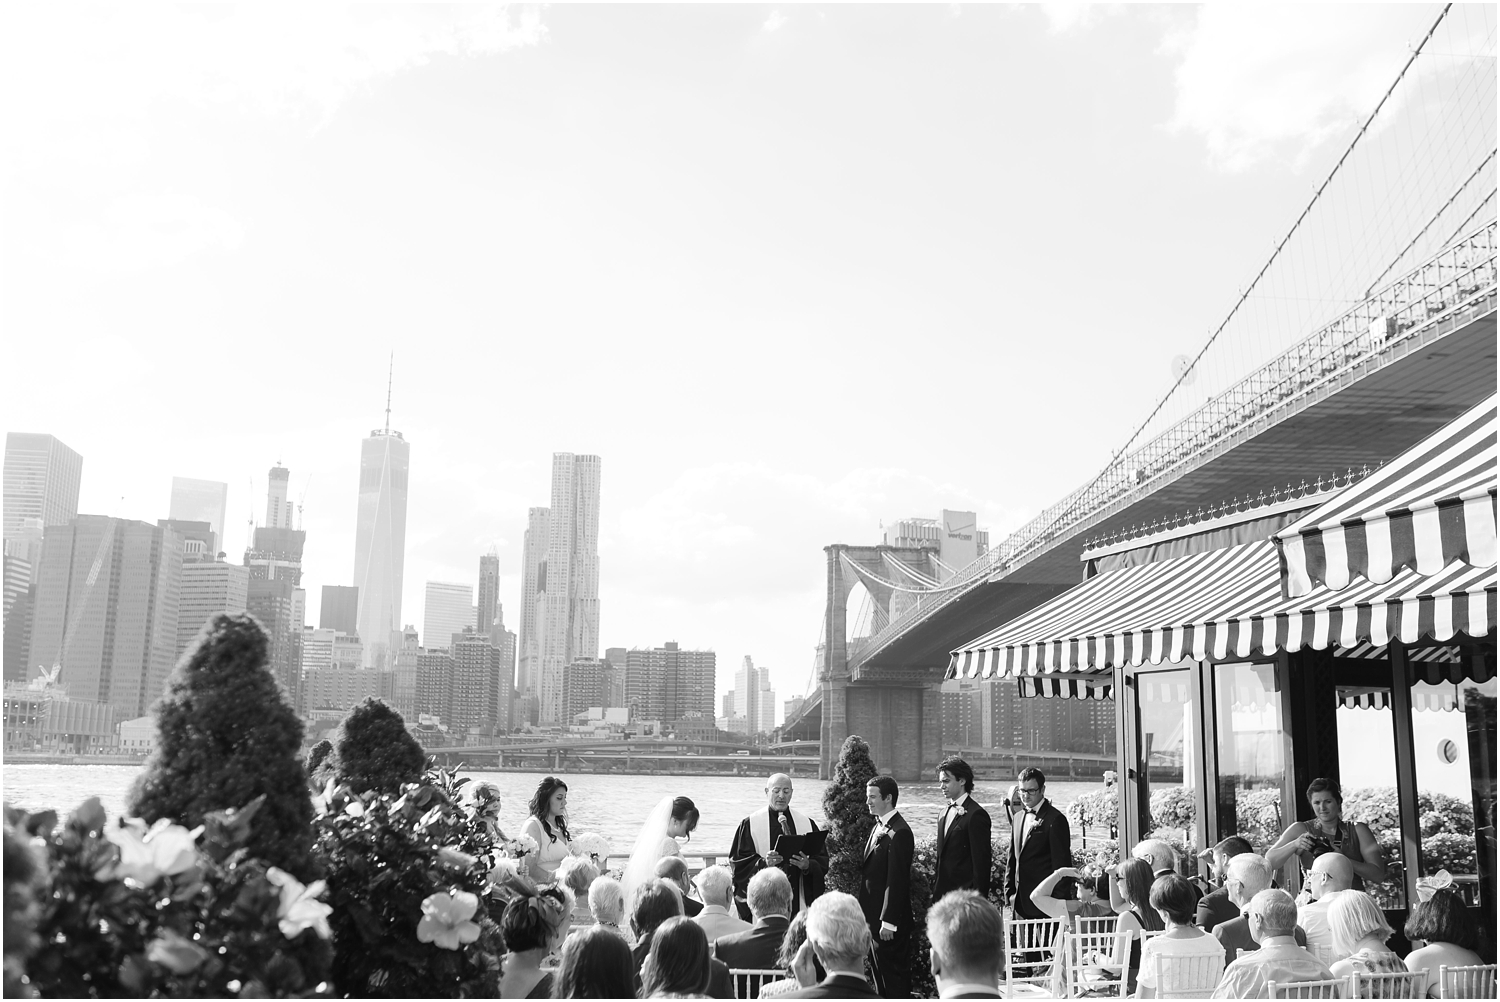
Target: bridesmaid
{"type": "Point", "coordinates": [548, 825]}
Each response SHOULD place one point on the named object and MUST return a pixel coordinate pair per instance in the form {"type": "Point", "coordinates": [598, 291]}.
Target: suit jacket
{"type": "Point", "coordinates": [718, 922]}
{"type": "Point", "coordinates": [837, 986]}
{"type": "Point", "coordinates": [757, 947]}
{"type": "Point", "coordinates": [963, 851]}
{"type": "Point", "coordinates": [747, 861]}
{"type": "Point", "coordinates": [1048, 847]}
{"type": "Point", "coordinates": [885, 877]}
{"type": "Point", "coordinates": [720, 985]}
{"type": "Point", "coordinates": [1234, 934]}
{"type": "Point", "coordinates": [1215, 907]}
{"type": "Point", "coordinates": [691, 906]}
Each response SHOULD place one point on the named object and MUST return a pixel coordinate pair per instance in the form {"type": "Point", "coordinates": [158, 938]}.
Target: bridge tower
{"type": "Point", "coordinates": [901, 718]}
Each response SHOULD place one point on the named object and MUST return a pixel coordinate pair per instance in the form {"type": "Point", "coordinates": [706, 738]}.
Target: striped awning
{"type": "Point", "coordinates": [1219, 604]}
{"type": "Point", "coordinates": [1429, 507]}
{"type": "Point", "coordinates": [1094, 686]}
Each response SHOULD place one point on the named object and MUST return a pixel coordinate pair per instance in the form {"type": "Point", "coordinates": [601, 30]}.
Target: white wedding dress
{"type": "Point", "coordinates": [651, 845]}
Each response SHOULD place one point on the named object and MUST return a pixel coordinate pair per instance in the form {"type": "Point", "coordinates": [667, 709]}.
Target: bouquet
{"type": "Point", "coordinates": [593, 845]}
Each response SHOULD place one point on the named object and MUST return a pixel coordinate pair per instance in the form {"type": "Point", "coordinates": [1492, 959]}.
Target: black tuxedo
{"type": "Point", "coordinates": [837, 986]}
{"type": "Point", "coordinates": [1048, 847]}
{"type": "Point", "coordinates": [963, 851]}
{"type": "Point", "coordinates": [885, 896]}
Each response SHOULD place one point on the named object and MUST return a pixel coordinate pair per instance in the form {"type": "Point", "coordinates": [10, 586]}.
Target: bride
{"type": "Point", "coordinates": [669, 820]}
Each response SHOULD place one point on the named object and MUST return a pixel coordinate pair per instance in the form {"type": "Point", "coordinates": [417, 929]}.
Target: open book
{"type": "Point", "coordinates": [814, 843]}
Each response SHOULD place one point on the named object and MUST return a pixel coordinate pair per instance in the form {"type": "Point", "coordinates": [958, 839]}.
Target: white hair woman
{"type": "Point", "coordinates": [839, 938]}
{"type": "Point", "coordinates": [1360, 932]}
{"type": "Point", "coordinates": [607, 905]}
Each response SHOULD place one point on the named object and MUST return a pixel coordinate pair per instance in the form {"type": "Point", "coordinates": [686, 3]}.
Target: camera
{"type": "Point", "coordinates": [1320, 845]}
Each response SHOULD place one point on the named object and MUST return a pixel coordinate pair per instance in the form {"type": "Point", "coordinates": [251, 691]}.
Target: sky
{"type": "Point", "coordinates": [792, 271]}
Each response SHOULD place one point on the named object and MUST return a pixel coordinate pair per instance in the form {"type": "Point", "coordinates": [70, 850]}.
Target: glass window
{"type": "Point", "coordinates": [1367, 774]}
{"type": "Point", "coordinates": [1445, 783]}
{"type": "Point", "coordinates": [1251, 763]}
{"type": "Point", "coordinates": [1169, 756]}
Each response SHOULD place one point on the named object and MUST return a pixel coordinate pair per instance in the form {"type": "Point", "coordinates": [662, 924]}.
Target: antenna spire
{"type": "Point", "coordinates": [390, 376]}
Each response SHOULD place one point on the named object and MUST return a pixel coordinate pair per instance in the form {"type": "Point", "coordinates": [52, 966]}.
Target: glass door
{"type": "Point", "coordinates": [1250, 745]}
{"type": "Point", "coordinates": [1168, 757]}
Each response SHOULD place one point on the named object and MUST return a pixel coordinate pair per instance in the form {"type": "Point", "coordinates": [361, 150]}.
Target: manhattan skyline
{"type": "Point", "coordinates": [789, 272]}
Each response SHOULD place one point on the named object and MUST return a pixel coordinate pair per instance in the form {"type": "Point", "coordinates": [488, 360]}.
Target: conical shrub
{"type": "Point", "coordinates": [849, 820]}
{"type": "Point", "coordinates": [372, 750]}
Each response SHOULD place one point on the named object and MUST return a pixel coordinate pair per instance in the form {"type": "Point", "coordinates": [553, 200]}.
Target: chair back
{"type": "Point", "coordinates": [1193, 977]}
{"type": "Point", "coordinates": [1466, 982]}
{"type": "Point", "coordinates": [1404, 985]}
{"type": "Point", "coordinates": [1084, 977]}
{"type": "Point", "coordinates": [1030, 949]}
{"type": "Point", "coordinates": [1334, 988]}
{"type": "Point", "coordinates": [1088, 925]}
{"type": "Point", "coordinates": [747, 980]}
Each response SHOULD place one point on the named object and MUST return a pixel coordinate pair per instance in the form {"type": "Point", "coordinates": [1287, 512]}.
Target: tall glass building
{"type": "Point", "coordinates": [380, 539]}
{"type": "Point", "coordinates": [570, 624]}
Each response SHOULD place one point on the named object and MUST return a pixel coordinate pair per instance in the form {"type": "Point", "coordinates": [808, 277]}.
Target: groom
{"type": "Point", "coordinates": [754, 841]}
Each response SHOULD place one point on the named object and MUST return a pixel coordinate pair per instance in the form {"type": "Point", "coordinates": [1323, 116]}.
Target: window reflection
{"type": "Point", "coordinates": [1367, 773]}
{"type": "Point", "coordinates": [1168, 755]}
{"type": "Point", "coordinates": [1252, 765]}
{"type": "Point", "coordinates": [1445, 797]}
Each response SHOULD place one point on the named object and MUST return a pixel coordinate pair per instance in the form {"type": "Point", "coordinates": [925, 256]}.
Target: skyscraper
{"type": "Point", "coordinates": [533, 592]}
{"type": "Point", "coordinates": [42, 480]}
{"type": "Point", "coordinates": [209, 587]}
{"type": "Point", "coordinates": [275, 596]}
{"type": "Point", "coordinates": [668, 683]}
{"type": "Point", "coordinates": [380, 536]}
{"type": "Point", "coordinates": [570, 627]}
{"type": "Point", "coordinates": [754, 699]}
{"type": "Point", "coordinates": [278, 508]}
{"type": "Point", "coordinates": [449, 607]}
{"type": "Point", "coordinates": [489, 591]}
{"type": "Point", "coordinates": [339, 609]}
{"type": "Point", "coordinates": [201, 501]}
{"type": "Point", "coordinates": [107, 593]}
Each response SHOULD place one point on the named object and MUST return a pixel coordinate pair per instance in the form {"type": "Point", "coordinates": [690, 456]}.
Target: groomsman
{"type": "Point", "coordinates": [752, 849]}
{"type": "Point", "coordinates": [963, 841]}
{"type": "Point", "coordinates": [885, 889]}
{"type": "Point", "coordinates": [1040, 844]}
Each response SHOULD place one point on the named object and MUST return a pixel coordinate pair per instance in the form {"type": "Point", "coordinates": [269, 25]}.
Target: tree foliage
{"type": "Point", "coordinates": [849, 821]}
{"type": "Point", "coordinates": [372, 750]}
{"type": "Point", "coordinates": [226, 736]}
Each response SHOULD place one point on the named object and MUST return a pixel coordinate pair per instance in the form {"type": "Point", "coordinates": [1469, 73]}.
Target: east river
{"type": "Point", "coordinates": [612, 805]}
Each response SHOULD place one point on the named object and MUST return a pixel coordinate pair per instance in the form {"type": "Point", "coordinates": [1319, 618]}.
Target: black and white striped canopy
{"type": "Point", "coordinates": [1428, 508]}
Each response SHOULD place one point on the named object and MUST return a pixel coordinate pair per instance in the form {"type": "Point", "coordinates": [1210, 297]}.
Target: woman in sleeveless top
{"type": "Point", "coordinates": [548, 826]}
{"type": "Point", "coordinates": [1134, 877]}
{"type": "Point", "coordinates": [1329, 832]}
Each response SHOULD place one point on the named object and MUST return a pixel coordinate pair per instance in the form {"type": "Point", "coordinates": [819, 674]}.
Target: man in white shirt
{"type": "Point", "coordinates": [964, 930]}
{"type": "Point", "coordinates": [716, 890]}
{"type": "Point", "coordinates": [1331, 873]}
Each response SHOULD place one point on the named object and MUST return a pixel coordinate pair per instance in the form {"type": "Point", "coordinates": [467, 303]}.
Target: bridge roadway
{"type": "Point", "coordinates": [672, 756]}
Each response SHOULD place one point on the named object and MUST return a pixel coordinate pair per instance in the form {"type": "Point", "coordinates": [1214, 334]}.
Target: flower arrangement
{"type": "Point", "coordinates": [166, 911]}
{"type": "Point", "coordinates": [593, 845]}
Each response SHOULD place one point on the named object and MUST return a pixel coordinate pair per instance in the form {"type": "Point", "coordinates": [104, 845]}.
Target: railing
{"type": "Point", "coordinates": [1461, 276]}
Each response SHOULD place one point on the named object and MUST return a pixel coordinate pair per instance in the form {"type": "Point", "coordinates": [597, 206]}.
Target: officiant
{"type": "Point", "coordinates": [754, 847]}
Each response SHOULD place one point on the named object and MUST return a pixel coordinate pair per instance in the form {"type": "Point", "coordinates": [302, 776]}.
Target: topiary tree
{"type": "Point", "coordinates": [226, 735]}
{"type": "Point", "coordinates": [849, 820]}
{"type": "Point", "coordinates": [372, 750]}
{"type": "Point", "coordinates": [316, 754]}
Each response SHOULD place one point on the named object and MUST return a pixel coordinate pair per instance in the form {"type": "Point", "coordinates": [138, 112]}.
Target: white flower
{"type": "Point", "coordinates": [446, 919]}
{"type": "Point", "coordinates": [591, 844]}
{"type": "Point", "coordinates": [299, 908]}
{"type": "Point", "coordinates": [321, 801]}
{"type": "Point", "coordinates": [147, 855]}
{"type": "Point", "coordinates": [355, 809]}
{"type": "Point", "coordinates": [522, 845]}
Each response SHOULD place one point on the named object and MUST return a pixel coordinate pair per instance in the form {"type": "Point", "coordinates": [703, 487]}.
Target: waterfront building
{"type": "Point", "coordinates": [201, 501]}
{"type": "Point", "coordinates": [209, 587]}
{"type": "Point", "coordinates": [46, 720]}
{"type": "Point", "coordinates": [570, 625]}
{"type": "Point", "coordinates": [961, 704]}
{"type": "Point", "coordinates": [584, 685]}
{"type": "Point", "coordinates": [380, 536]}
{"type": "Point", "coordinates": [668, 683]}
{"type": "Point", "coordinates": [339, 609]}
{"type": "Point", "coordinates": [342, 686]}
{"type": "Point", "coordinates": [615, 662]}
{"type": "Point", "coordinates": [533, 593]}
{"type": "Point", "coordinates": [489, 591]}
{"type": "Point", "coordinates": [404, 647]}
{"type": "Point", "coordinates": [136, 737]}
{"type": "Point", "coordinates": [448, 609]}
{"type": "Point", "coordinates": [434, 695]}
{"type": "Point", "coordinates": [106, 610]}
{"type": "Point", "coordinates": [480, 693]}
{"type": "Point", "coordinates": [42, 480]}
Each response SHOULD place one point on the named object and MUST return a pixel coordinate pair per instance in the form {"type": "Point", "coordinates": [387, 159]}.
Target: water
{"type": "Point", "coordinates": [612, 805]}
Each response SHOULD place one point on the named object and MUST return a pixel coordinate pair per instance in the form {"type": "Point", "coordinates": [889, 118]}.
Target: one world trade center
{"type": "Point", "coordinates": [380, 538]}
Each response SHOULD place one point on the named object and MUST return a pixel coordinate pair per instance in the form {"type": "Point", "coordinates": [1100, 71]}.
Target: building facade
{"type": "Point", "coordinates": [208, 588]}
{"type": "Point", "coordinates": [380, 538]}
{"type": "Point", "coordinates": [570, 626]}
{"type": "Point", "coordinates": [201, 501]}
{"type": "Point", "coordinates": [668, 683]}
{"type": "Point", "coordinates": [339, 609]}
{"type": "Point", "coordinates": [42, 480]}
{"type": "Point", "coordinates": [448, 610]}
{"type": "Point", "coordinates": [533, 592]}
{"type": "Point", "coordinates": [488, 607]}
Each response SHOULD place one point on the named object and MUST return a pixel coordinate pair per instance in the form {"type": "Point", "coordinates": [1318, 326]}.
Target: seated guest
{"type": "Point", "coordinates": [1174, 900]}
{"type": "Point", "coordinates": [595, 963]}
{"type": "Point", "coordinates": [1359, 936]}
{"type": "Point", "coordinates": [1444, 934]}
{"type": "Point", "coordinates": [1271, 915]}
{"type": "Point", "coordinates": [1331, 875]}
{"type": "Point", "coordinates": [675, 869]}
{"type": "Point", "coordinates": [533, 926]}
{"type": "Point", "coordinates": [678, 965]}
{"type": "Point", "coordinates": [1163, 859]}
{"type": "Point", "coordinates": [1132, 885]}
{"type": "Point", "coordinates": [769, 896]}
{"type": "Point", "coordinates": [1246, 876]}
{"type": "Point", "coordinates": [577, 874]}
{"type": "Point", "coordinates": [1216, 906]}
{"type": "Point", "coordinates": [796, 935]}
{"type": "Point", "coordinates": [1086, 903]}
{"type": "Point", "coordinates": [656, 901]}
{"type": "Point", "coordinates": [964, 930]}
{"type": "Point", "coordinates": [719, 916]}
{"type": "Point", "coordinates": [839, 938]}
{"type": "Point", "coordinates": [1093, 896]}
{"type": "Point", "coordinates": [607, 905]}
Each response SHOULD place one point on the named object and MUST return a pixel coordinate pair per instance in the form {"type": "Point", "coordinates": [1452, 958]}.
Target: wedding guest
{"type": "Point", "coordinates": [716, 889]}
{"type": "Point", "coordinates": [1444, 934]}
{"type": "Point", "coordinates": [675, 870]}
{"type": "Point", "coordinates": [532, 926]}
{"type": "Point", "coordinates": [548, 826]}
{"type": "Point", "coordinates": [1245, 876]}
{"type": "Point", "coordinates": [1271, 915]}
{"type": "Point", "coordinates": [678, 965]}
{"type": "Point", "coordinates": [839, 938]}
{"type": "Point", "coordinates": [607, 905]}
{"type": "Point", "coordinates": [963, 836]}
{"type": "Point", "coordinates": [964, 930]}
{"type": "Point", "coordinates": [656, 901]}
{"type": "Point", "coordinates": [1326, 833]}
{"type": "Point", "coordinates": [753, 848]}
{"type": "Point", "coordinates": [1331, 875]}
{"type": "Point", "coordinates": [1132, 885]}
{"type": "Point", "coordinates": [1040, 845]}
{"type": "Point", "coordinates": [1163, 859]}
{"type": "Point", "coordinates": [577, 874]}
{"type": "Point", "coordinates": [1216, 906]}
{"type": "Point", "coordinates": [1359, 937]}
{"type": "Point", "coordinates": [1174, 900]}
{"type": "Point", "coordinates": [770, 899]}
{"type": "Point", "coordinates": [595, 963]}
{"type": "Point", "coordinates": [796, 935]}
{"type": "Point", "coordinates": [1088, 903]}
{"type": "Point", "coordinates": [885, 889]}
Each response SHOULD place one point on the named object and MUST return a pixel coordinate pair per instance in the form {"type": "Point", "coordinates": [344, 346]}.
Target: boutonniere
{"type": "Point", "coordinates": [958, 810]}
{"type": "Point", "coordinates": [881, 831]}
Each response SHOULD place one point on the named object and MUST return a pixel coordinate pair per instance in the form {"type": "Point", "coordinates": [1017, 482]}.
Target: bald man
{"type": "Point", "coordinates": [754, 843]}
{"type": "Point", "coordinates": [1331, 873]}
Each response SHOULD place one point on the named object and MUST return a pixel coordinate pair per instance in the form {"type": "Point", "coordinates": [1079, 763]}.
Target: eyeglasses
{"type": "Point", "coordinates": [1031, 789]}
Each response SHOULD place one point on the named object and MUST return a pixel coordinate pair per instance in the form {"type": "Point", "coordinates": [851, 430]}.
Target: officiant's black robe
{"type": "Point", "coordinates": [748, 862]}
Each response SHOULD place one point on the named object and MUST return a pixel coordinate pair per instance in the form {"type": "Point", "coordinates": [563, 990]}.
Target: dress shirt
{"type": "Point", "coordinates": [1029, 820]}
{"type": "Point", "coordinates": [882, 822]}
{"type": "Point", "coordinates": [948, 812]}
{"type": "Point", "coordinates": [1279, 959]}
{"type": "Point", "coordinates": [1313, 918]}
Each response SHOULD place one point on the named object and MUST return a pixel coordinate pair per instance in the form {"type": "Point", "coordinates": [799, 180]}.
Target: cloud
{"type": "Point", "coordinates": [141, 232]}
{"type": "Point", "coordinates": [1064, 17]}
{"type": "Point", "coordinates": [774, 22]}
{"type": "Point", "coordinates": [1271, 83]}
